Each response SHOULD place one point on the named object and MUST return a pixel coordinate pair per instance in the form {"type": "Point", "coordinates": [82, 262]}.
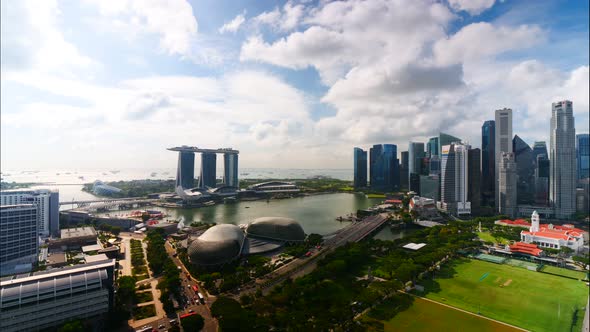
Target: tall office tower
{"type": "Point", "coordinates": [488, 162]}
{"type": "Point", "coordinates": [474, 179]}
{"type": "Point", "coordinates": [503, 141]}
{"type": "Point", "coordinates": [432, 147]}
{"type": "Point", "coordinates": [403, 173]}
{"type": "Point", "coordinates": [416, 154]}
{"type": "Point", "coordinates": [429, 186]}
{"type": "Point", "coordinates": [562, 160]}
{"type": "Point", "coordinates": [208, 168]}
{"type": "Point", "coordinates": [434, 165]}
{"type": "Point", "coordinates": [540, 148]}
{"type": "Point", "coordinates": [185, 172]}
{"type": "Point", "coordinates": [542, 180]}
{"type": "Point", "coordinates": [454, 179]}
{"type": "Point", "coordinates": [583, 156]}
{"type": "Point", "coordinates": [506, 199]}
{"type": "Point", "coordinates": [446, 139]}
{"type": "Point", "coordinates": [415, 183]}
{"type": "Point", "coordinates": [230, 170]}
{"type": "Point", "coordinates": [525, 169]}
{"type": "Point", "coordinates": [19, 244]}
{"type": "Point", "coordinates": [47, 203]}
{"type": "Point", "coordinates": [384, 167]}
{"type": "Point", "coordinates": [46, 300]}
{"type": "Point", "coordinates": [360, 168]}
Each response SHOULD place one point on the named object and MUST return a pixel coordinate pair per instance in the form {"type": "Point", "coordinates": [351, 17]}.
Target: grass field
{"type": "Point", "coordinates": [564, 272]}
{"type": "Point", "coordinates": [427, 316]}
{"type": "Point", "coordinates": [531, 300]}
{"type": "Point", "coordinates": [486, 236]}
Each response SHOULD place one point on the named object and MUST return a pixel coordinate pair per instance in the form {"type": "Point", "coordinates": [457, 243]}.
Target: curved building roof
{"type": "Point", "coordinates": [276, 228]}
{"type": "Point", "coordinates": [218, 245]}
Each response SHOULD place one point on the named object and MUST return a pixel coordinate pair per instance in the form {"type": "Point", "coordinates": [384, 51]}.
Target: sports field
{"type": "Point", "coordinates": [427, 316]}
{"type": "Point", "coordinates": [531, 300]}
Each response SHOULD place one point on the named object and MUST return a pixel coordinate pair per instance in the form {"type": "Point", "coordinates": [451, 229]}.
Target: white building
{"type": "Point", "coordinates": [554, 237]}
{"type": "Point", "coordinates": [47, 203]}
{"type": "Point", "coordinates": [454, 179]}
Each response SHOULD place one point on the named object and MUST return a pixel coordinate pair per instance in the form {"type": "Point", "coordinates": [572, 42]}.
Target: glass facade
{"type": "Point", "coordinates": [185, 176]}
{"type": "Point", "coordinates": [416, 154]}
{"type": "Point", "coordinates": [488, 162]}
{"type": "Point", "coordinates": [208, 168]}
{"type": "Point", "coordinates": [525, 169]}
{"type": "Point", "coordinates": [230, 170]}
{"type": "Point", "coordinates": [562, 160]}
{"type": "Point", "coordinates": [360, 168]}
{"type": "Point", "coordinates": [474, 179]}
{"type": "Point", "coordinates": [432, 147]}
{"type": "Point", "coordinates": [583, 156]}
{"type": "Point", "coordinates": [403, 171]}
{"type": "Point", "coordinates": [384, 167]}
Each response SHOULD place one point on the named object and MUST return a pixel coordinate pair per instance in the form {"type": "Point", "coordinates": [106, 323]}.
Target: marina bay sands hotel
{"type": "Point", "coordinates": [185, 174]}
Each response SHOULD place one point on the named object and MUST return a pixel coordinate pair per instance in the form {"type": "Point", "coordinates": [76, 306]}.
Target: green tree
{"type": "Point", "coordinates": [72, 326]}
{"type": "Point", "coordinates": [193, 323]}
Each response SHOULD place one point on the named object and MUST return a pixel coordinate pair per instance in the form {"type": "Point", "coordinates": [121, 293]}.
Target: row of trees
{"type": "Point", "coordinates": [162, 265]}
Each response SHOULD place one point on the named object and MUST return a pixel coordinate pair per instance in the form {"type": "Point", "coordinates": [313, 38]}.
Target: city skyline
{"type": "Point", "coordinates": [285, 84]}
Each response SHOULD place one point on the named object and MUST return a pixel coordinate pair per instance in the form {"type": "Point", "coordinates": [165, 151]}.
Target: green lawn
{"type": "Point", "coordinates": [486, 236]}
{"type": "Point", "coordinates": [531, 300]}
{"type": "Point", "coordinates": [427, 316]}
{"type": "Point", "coordinates": [564, 272]}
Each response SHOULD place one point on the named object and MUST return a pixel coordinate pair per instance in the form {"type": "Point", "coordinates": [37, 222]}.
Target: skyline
{"type": "Point", "coordinates": [294, 84]}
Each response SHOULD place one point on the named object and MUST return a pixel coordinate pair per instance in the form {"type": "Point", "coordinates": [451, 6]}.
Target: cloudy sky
{"type": "Point", "coordinates": [293, 84]}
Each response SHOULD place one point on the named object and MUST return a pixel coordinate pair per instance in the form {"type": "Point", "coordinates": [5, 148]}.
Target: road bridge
{"type": "Point", "coordinates": [108, 203]}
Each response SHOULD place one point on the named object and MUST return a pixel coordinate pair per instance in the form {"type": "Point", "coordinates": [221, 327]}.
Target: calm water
{"type": "Point", "coordinates": [316, 214]}
{"type": "Point", "coordinates": [388, 233]}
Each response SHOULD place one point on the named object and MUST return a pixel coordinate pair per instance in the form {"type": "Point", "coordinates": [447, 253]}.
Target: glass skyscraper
{"type": "Point", "coordinates": [562, 160]}
{"type": "Point", "coordinates": [384, 167]}
{"type": "Point", "coordinates": [185, 177]}
{"type": "Point", "coordinates": [474, 179]}
{"type": "Point", "coordinates": [525, 169]}
{"type": "Point", "coordinates": [432, 147]}
{"type": "Point", "coordinates": [230, 170]}
{"type": "Point", "coordinates": [583, 156]}
{"type": "Point", "coordinates": [208, 169]}
{"type": "Point", "coordinates": [403, 173]}
{"type": "Point", "coordinates": [360, 168]}
{"type": "Point", "coordinates": [488, 162]}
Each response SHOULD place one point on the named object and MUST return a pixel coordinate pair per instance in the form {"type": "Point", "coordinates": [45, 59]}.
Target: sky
{"type": "Point", "coordinates": [295, 84]}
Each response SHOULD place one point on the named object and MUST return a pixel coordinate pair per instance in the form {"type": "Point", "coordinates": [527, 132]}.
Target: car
{"type": "Point", "coordinates": [172, 321]}
{"type": "Point", "coordinates": [307, 254]}
{"type": "Point", "coordinates": [161, 326]}
{"type": "Point", "coordinates": [191, 310]}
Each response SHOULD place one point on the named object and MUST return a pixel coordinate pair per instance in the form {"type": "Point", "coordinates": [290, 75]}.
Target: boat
{"type": "Point", "coordinates": [209, 203]}
{"type": "Point", "coordinates": [246, 207]}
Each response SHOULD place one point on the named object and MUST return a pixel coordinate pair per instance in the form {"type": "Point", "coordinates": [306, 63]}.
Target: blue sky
{"type": "Point", "coordinates": [292, 84]}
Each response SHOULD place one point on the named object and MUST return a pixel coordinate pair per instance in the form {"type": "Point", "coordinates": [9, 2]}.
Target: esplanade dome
{"type": "Point", "coordinates": [219, 244]}
{"type": "Point", "coordinates": [276, 228]}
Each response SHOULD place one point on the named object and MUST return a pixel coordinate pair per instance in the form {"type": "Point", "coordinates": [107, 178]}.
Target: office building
{"type": "Point", "coordinates": [506, 199]}
{"type": "Point", "coordinates": [454, 179]}
{"type": "Point", "coordinates": [474, 179]}
{"type": "Point", "coordinates": [415, 183]}
{"type": "Point", "coordinates": [360, 168]}
{"type": "Point", "coordinates": [384, 167]}
{"type": "Point", "coordinates": [230, 170]}
{"type": "Point", "coordinates": [446, 139]}
{"type": "Point", "coordinates": [583, 156]}
{"type": "Point", "coordinates": [562, 160]}
{"type": "Point", "coordinates": [434, 165]}
{"type": "Point", "coordinates": [503, 142]}
{"type": "Point", "coordinates": [542, 180]}
{"type": "Point", "coordinates": [429, 186]}
{"type": "Point", "coordinates": [540, 147]}
{"type": "Point", "coordinates": [404, 169]}
{"type": "Point", "coordinates": [488, 162]}
{"type": "Point", "coordinates": [47, 203]}
{"type": "Point", "coordinates": [185, 173]}
{"type": "Point", "coordinates": [47, 299]}
{"type": "Point", "coordinates": [19, 239]}
{"type": "Point", "coordinates": [525, 169]}
{"type": "Point", "coordinates": [416, 154]}
{"type": "Point", "coordinates": [208, 169]}
{"type": "Point", "coordinates": [432, 147]}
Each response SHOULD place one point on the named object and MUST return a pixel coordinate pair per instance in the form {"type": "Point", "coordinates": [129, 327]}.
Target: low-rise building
{"type": "Point", "coordinates": [75, 238]}
{"type": "Point", "coordinates": [550, 236]}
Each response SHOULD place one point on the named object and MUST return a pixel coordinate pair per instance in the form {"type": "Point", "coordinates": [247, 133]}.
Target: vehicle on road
{"type": "Point", "coordinates": [201, 298]}
{"type": "Point", "coordinates": [195, 288]}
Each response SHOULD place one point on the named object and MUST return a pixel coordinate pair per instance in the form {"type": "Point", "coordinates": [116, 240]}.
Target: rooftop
{"type": "Point", "coordinates": [414, 246]}
{"type": "Point", "coordinates": [96, 258]}
{"type": "Point", "coordinates": [92, 247]}
{"type": "Point", "coordinates": [185, 148]}
{"type": "Point", "coordinates": [69, 233]}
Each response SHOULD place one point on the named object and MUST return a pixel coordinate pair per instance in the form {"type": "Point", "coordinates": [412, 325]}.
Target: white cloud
{"type": "Point", "coordinates": [233, 25]}
{"type": "Point", "coordinates": [473, 7]}
{"type": "Point", "coordinates": [285, 19]}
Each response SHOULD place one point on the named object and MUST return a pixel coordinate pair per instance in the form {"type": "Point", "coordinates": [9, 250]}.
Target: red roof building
{"type": "Point", "coordinates": [526, 248]}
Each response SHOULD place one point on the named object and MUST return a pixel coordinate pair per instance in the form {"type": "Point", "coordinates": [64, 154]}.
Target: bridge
{"type": "Point", "coordinates": [108, 203]}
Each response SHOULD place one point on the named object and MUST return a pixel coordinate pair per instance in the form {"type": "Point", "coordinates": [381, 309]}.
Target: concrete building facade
{"type": "Point", "coordinates": [506, 199]}
{"type": "Point", "coordinates": [503, 143]}
{"type": "Point", "coordinates": [46, 201]}
{"type": "Point", "coordinates": [562, 160]}
{"type": "Point", "coordinates": [19, 244]}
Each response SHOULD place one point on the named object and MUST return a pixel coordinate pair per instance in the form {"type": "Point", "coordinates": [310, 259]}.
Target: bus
{"type": "Point", "coordinates": [195, 288]}
{"type": "Point", "coordinates": [201, 298]}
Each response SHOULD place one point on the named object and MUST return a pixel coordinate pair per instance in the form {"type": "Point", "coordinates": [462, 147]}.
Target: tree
{"type": "Point", "coordinates": [193, 323]}
{"type": "Point", "coordinates": [315, 239]}
{"type": "Point", "coordinates": [116, 230]}
{"type": "Point", "coordinates": [72, 326]}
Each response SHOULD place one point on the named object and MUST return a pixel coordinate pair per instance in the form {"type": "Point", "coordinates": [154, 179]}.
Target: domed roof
{"type": "Point", "coordinates": [276, 228]}
{"type": "Point", "coordinates": [219, 244]}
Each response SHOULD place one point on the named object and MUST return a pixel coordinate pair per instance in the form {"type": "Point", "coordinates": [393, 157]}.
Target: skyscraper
{"type": "Point", "coordinates": [384, 167]}
{"type": "Point", "coordinates": [488, 162]}
{"type": "Point", "coordinates": [208, 169]}
{"type": "Point", "coordinates": [525, 169]}
{"type": "Point", "coordinates": [429, 186]}
{"type": "Point", "coordinates": [474, 179]}
{"type": "Point", "coordinates": [19, 244]}
{"type": "Point", "coordinates": [454, 179]}
{"type": "Point", "coordinates": [403, 173]}
{"type": "Point", "coordinates": [506, 199]}
{"type": "Point", "coordinates": [540, 148]}
{"type": "Point", "coordinates": [185, 173]}
{"type": "Point", "coordinates": [230, 170]}
{"type": "Point", "coordinates": [583, 156]}
{"type": "Point", "coordinates": [503, 141]}
{"type": "Point", "coordinates": [542, 180]}
{"type": "Point", "coordinates": [432, 147]}
{"type": "Point", "coordinates": [46, 201]}
{"type": "Point", "coordinates": [446, 139]}
{"type": "Point", "coordinates": [360, 168]}
{"type": "Point", "coordinates": [416, 154]}
{"type": "Point", "coordinates": [562, 160]}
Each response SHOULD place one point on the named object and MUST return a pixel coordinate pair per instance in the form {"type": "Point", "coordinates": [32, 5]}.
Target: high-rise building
{"type": "Point", "coordinates": [230, 170]}
{"type": "Point", "coordinates": [384, 167]}
{"type": "Point", "coordinates": [45, 300]}
{"type": "Point", "coordinates": [185, 172]}
{"type": "Point", "coordinates": [488, 162]}
{"type": "Point", "coordinates": [446, 139]}
{"type": "Point", "coordinates": [562, 160]}
{"type": "Point", "coordinates": [540, 148]}
{"type": "Point", "coordinates": [416, 154]}
{"type": "Point", "coordinates": [506, 199]}
{"type": "Point", "coordinates": [47, 203]}
{"type": "Point", "coordinates": [503, 141]}
{"type": "Point", "coordinates": [542, 180]}
{"type": "Point", "coordinates": [19, 244]}
{"type": "Point", "coordinates": [454, 179]}
{"type": "Point", "coordinates": [432, 147]}
{"type": "Point", "coordinates": [415, 183]}
{"type": "Point", "coordinates": [404, 169]}
{"type": "Point", "coordinates": [474, 179]}
{"type": "Point", "coordinates": [525, 169]}
{"type": "Point", "coordinates": [360, 168]}
{"type": "Point", "coordinates": [429, 186]}
{"type": "Point", "coordinates": [583, 156]}
{"type": "Point", "coordinates": [434, 165]}
{"type": "Point", "coordinates": [208, 169]}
